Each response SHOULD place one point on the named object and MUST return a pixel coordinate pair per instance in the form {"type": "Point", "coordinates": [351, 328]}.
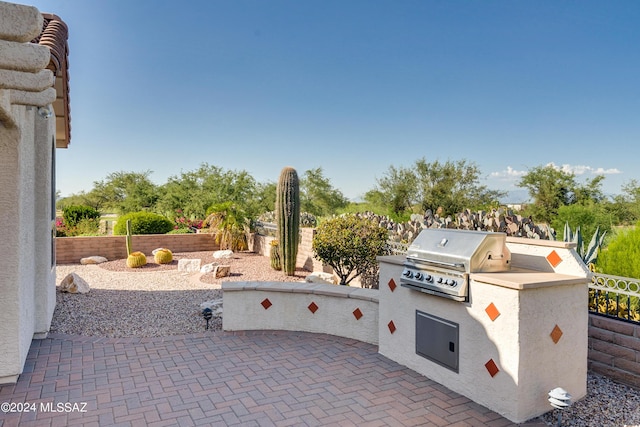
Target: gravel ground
{"type": "Point", "coordinates": [121, 304]}
{"type": "Point", "coordinates": [607, 404]}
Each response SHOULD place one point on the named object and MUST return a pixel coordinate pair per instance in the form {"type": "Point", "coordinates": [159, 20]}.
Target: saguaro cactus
{"type": "Point", "coordinates": [128, 237]}
{"type": "Point", "coordinates": [288, 218]}
{"type": "Point", "coordinates": [134, 259]}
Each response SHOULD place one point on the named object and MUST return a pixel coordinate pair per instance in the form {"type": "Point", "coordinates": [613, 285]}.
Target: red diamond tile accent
{"type": "Point", "coordinates": [556, 334]}
{"type": "Point", "coordinates": [357, 313]}
{"type": "Point", "coordinates": [313, 307]}
{"type": "Point", "coordinates": [492, 312]}
{"type": "Point", "coordinates": [492, 368]}
{"type": "Point", "coordinates": [554, 259]}
{"type": "Point", "coordinates": [391, 326]}
{"type": "Point", "coordinates": [266, 303]}
{"type": "Point", "coordinates": [392, 285]}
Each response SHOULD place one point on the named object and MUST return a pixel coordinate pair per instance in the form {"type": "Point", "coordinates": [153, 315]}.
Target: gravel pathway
{"type": "Point", "coordinates": [157, 300]}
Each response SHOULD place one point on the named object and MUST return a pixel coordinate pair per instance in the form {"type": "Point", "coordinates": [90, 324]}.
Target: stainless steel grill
{"type": "Point", "coordinates": [439, 261]}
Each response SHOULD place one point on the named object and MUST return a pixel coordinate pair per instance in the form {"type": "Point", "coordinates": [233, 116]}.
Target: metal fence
{"type": "Point", "coordinates": [616, 297]}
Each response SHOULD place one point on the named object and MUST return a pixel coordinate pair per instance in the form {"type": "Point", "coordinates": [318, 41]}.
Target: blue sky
{"type": "Point", "coordinates": [351, 86]}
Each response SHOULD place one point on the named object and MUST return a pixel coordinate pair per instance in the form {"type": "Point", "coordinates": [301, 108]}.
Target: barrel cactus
{"type": "Point", "coordinates": [136, 259]}
{"type": "Point", "coordinates": [163, 256]}
{"type": "Point", "coordinates": [288, 218]}
{"type": "Point", "coordinates": [274, 255]}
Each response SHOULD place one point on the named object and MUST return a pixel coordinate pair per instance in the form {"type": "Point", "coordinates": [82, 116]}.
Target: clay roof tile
{"type": "Point", "coordinates": [54, 35]}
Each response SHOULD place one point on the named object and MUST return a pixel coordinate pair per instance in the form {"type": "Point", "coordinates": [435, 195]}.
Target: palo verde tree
{"type": "Point", "coordinates": [448, 188]}
{"type": "Point", "coordinates": [451, 186]}
{"type": "Point", "coordinates": [318, 196]}
{"type": "Point", "coordinates": [195, 192]}
{"type": "Point", "coordinates": [125, 192]}
{"type": "Point", "coordinates": [550, 188]}
{"type": "Point", "coordinates": [396, 190]}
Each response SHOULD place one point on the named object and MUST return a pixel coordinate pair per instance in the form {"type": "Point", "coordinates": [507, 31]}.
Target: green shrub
{"type": "Point", "coordinates": [181, 231]}
{"type": "Point", "coordinates": [74, 214]}
{"type": "Point", "coordinates": [588, 218]}
{"type": "Point", "coordinates": [143, 223]}
{"type": "Point", "coordinates": [622, 256]}
{"type": "Point", "coordinates": [87, 227]}
{"type": "Point", "coordinates": [350, 245]}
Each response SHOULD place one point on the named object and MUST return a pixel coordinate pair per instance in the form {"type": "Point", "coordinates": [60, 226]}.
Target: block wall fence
{"type": "Point", "coordinates": [262, 246]}
{"type": "Point", "coordinates": [72, 249]}
{"type": "Point", "coordinates": [614, 349]}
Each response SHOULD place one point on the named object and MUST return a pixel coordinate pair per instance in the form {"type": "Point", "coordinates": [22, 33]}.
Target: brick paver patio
{"type": "Point", "coordinates": [217, 378]}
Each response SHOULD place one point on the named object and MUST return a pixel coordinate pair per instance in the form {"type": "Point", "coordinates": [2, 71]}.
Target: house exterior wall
{"type": "Point", "coordinates": [27, 278]}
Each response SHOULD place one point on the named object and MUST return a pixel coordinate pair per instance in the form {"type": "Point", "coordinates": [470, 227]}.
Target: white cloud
{"type": "Point", "coordinates": [582, 169]}
{"type": "Point", "coordinates": [509, 173]}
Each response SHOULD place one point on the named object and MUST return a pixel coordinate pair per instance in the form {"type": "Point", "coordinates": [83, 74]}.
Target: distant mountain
{"type": "Point", "coordinates": [516, 197]}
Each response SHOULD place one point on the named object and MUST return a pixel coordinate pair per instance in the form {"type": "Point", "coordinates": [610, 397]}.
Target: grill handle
{"type": "Point", "coordinates": [439, 263]}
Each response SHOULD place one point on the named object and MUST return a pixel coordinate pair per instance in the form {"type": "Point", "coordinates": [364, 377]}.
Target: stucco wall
{"type": "Point", "coordinates": [614, 349]}
{"type": "Point", "coordinates": [72, 249]}
{"type": "Point", "coordinates": [26, 277]}
{"type": "Point", "coordinates": [518, 341]}
{"type": "Point", "coordinates": [15, 281]}
{"type": "Point", "coordinates": [330, 309]}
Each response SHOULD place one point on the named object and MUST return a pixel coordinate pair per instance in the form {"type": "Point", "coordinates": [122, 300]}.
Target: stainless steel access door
{"type": "Point", "coordinates": [437, 340]}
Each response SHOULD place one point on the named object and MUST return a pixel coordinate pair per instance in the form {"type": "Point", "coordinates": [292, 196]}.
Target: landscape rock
{"type": "Point", "coordinates": [189, 265]}
{"type": "Point", "coordinates": [74, 284]}
{"type": "Point", "coordinates": [208, 268]}
{"type": "Point", "coordinates": [223, 254]}
{"type": "Point", "coordinates": [320, 277]}
{"type": "Point", "coordinates": [153, 252]}
{"type": "Point", "coordinates": [93, 260]}
{"type": "Point", "coordinates": [215, 305]}
{"type": "Point", "coordinates": [222, 271]}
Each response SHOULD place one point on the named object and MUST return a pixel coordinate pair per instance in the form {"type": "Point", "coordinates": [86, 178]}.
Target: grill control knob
{"type": "Point", "coordinates": [408, 274]}
{"type": "Point", "coordinates": [451, 282]}
{"type": "Point", "coordinates": [419, 276]}
{"type": "Point", "coordinates": [428, 278]}
{"type": "Point", "coordinates": [440, 280]}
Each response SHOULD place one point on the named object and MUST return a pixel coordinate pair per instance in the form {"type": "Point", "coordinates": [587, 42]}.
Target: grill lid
{"type": "Point", "coordinates": [463, 250]}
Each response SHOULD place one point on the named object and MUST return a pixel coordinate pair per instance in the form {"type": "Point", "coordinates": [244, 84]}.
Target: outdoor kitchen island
{"type": "Point", "coordinates": [512, 337]}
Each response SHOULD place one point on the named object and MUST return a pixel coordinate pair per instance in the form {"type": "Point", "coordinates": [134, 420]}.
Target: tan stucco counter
{"type": "Point", "coordinates": [522, 279]}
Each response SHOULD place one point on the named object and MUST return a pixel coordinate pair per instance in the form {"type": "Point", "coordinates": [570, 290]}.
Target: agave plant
{"type": "Point", "coordinates": [590, 255]}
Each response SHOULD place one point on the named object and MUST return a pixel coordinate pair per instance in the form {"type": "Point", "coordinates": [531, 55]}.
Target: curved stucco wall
{"type": "Point", "coordinates": [330, 309]}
